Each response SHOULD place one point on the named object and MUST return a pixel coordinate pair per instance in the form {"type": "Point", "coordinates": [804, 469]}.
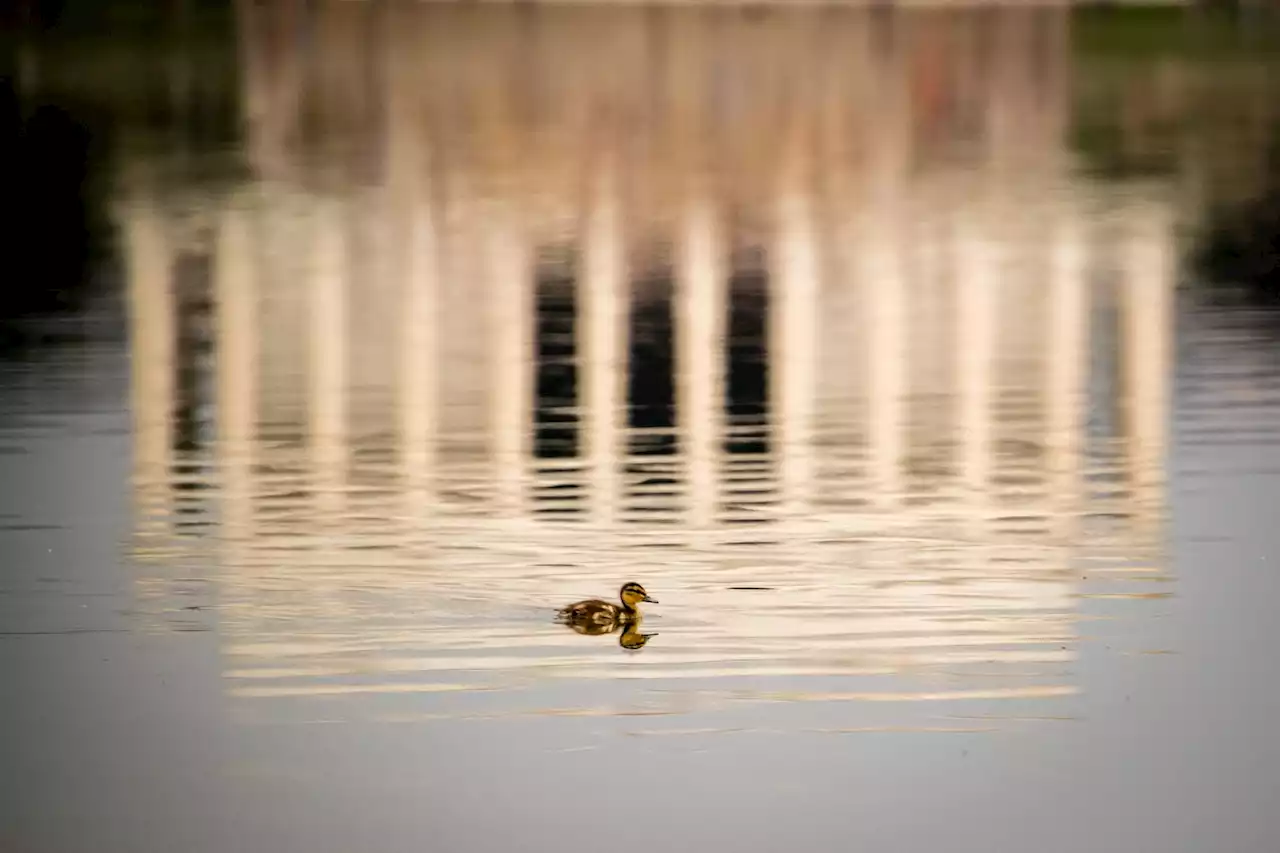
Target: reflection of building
{"type": "Point", "coordinates": [427, 325]}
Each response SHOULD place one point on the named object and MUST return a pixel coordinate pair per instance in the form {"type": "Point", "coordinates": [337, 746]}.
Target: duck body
{"type": "Point", "coordinates": [605, 616]}
{"type": "Point", "coordinates": [595, 612]}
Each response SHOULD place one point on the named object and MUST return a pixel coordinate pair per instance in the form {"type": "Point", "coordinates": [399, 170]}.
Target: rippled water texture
{"type": "Point", "coordinates": [885, 349]}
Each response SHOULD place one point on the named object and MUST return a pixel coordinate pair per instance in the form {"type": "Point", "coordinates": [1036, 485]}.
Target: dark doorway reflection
{"type": "Point", "coordinates": [651, 365]}
{"type": "Point", "coordinates": [556, 399]}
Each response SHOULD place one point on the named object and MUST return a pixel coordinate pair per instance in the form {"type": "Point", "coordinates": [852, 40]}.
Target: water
{"type": "Point", "coordinates": [878, 346]}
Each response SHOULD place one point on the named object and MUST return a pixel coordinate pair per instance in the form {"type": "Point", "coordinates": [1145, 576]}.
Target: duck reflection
{"type": "Point", "coordinates": [630, 638]}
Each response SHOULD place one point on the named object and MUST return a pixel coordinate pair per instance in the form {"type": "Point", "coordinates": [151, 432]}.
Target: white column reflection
{"type": "Point", "coordinates": [235, 291]}
{"type": "Point", "coordinates": [884, 283]}
{"type": "Point", "coordinates": [510, 278]}
{"type": "Point", "coordinates": [328, 356]}
{"type": "Point", "coordinates": [1148, 270]}
{"type": "Point", "coordinates": [977, 283]}
{"type": "Point", "coordinates": [419, 356]}
{"type": "Point", "coordinates": [153, 330]}
{"type": "Point", "coordinates": [415, 247]}
{"type": "Point", "coordinates": [1068, 346]}
{"type": "Point", "coordinates": [602, 317]}
{"type": "Point", "coordinates": [699, 316]}
{"type": "Point", "coordinates": [793, 347]}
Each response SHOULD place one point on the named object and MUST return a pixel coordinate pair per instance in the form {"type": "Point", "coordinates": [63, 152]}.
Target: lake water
{"type": "Point", "coordinates": [879, 346]}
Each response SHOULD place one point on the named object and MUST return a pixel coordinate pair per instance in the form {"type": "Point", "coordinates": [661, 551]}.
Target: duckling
{"type": "Point", "coordinates": [603, 614]}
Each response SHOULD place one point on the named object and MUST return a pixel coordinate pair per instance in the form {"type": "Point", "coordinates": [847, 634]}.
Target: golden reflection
{"type": "Point", "coordinates": [630, 636]}
{"type": "Point", "coordinates": [767, 309]}
{"type": "Point", "coordinates": [152, 336]}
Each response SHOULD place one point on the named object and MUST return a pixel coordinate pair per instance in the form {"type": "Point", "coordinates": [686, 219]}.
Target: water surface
{"type": "Point", "coordinates": [874, 345]}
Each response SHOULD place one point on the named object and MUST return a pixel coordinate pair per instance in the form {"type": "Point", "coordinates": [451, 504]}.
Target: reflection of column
{"type": "Point", "coordinates": [329, 356]}
{"type": "Point", "coordinates": [984, 263]}
{"type": "Point", "coordinates": [699, 306]}
{"type": "Point", "coordinates": [699, 316]}
{"type": "Point", "coordinates": [884, 285]}
{"type": "Point", "coordinates": [1068, 345]}
{"type": "Point", "coordinates": [415, 248]}
{"type": "Point", "coordinates": [153, 329]}
{"type": "Point", "coordinates": [511, 295]}
{"type": "Point", "coordinates": [842, 368]}
{"type": "Point", "coordinates": [883, 274]}
{"type": "Point", "coordinates": [1148, 287]}
{"type": "Point", "coordinates": [420, 350]}
{"type": "Point", "coordinates": [602, 316]}
{"type": "Point", "coordinates": [237, 362]}
{"type": "Point", "coordinates": [977, 284]}
{"type": "Point", "coordinates": [419, 362]}
{"type": "Point", "coordinates": [794, 303]}
{"type": "Point", "coordinates": [419, 365]}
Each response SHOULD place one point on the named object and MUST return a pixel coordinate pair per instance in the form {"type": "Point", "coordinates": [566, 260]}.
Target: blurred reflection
{"type": "Point", "coordinates": [519, 297]}
{"type": "Point", "coordinates": [629, 634]}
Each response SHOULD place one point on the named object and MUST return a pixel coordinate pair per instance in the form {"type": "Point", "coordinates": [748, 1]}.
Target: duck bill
{"type": "Point", "coordinates": [651, 600]}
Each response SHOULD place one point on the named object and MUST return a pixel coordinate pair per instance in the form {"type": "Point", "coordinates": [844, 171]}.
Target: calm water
{"type": "Point", "coordinates": [876, 346]}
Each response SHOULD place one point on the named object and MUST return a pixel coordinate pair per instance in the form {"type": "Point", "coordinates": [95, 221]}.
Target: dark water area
{"type": "Point", "coordinates": [921, 364]}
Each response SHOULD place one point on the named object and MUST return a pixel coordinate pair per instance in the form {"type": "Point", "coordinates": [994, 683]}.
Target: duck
{"type": "Point", "coordinates": [605, 616]}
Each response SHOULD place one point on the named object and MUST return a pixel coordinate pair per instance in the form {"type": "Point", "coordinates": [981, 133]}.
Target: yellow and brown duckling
{"type": "Point", "coordinates": [605, 615]}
